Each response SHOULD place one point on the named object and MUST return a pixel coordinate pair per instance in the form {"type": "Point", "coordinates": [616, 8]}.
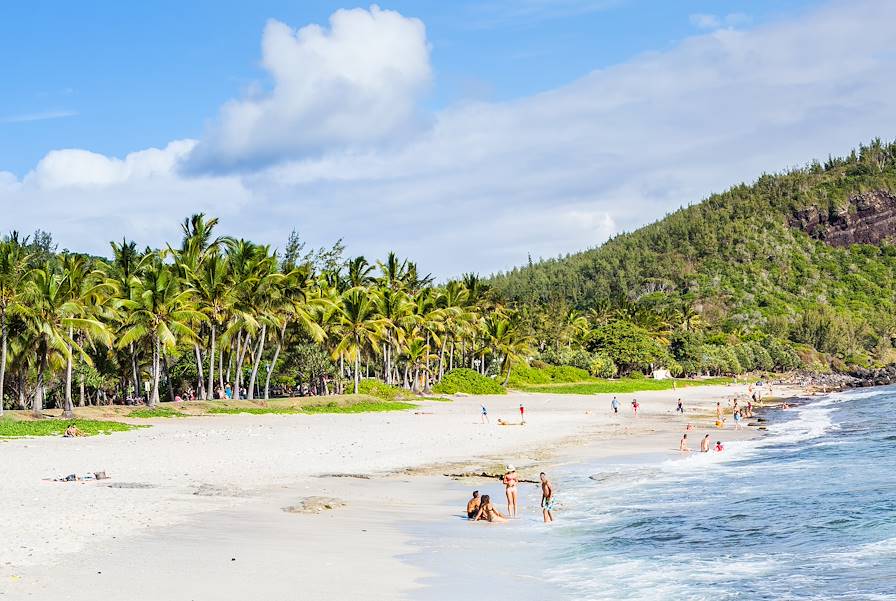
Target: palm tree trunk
{"type": "Point", "coordinates": [38, 405]}
{"type": "Point", "coordinates": [507, 377]}
{"type": "Point", "coordinates": [267, 380]}
{"type": "Point", "coordinates": [257, 360]}
{"type": "Point", "coordinates": [68, 412]}
{"type": "Point", "coordinates": [200, 374]}
{"type": "Point", "coordinates": [211, 368]}
{"type": "Point", "coordinates": [450, 359]}
{"type": "Point", "coordinates": [358, 369]}
{"type": "Point", "coordinates": [154, 395]}
{"type": "Point", "coordinates": [221, 368]}
{"type": "Point", "coordinates": [136, 372]}
{"type": "Point", "coordinates": [4, 335]}
{"type": "Point", "coordinates": [442, 358]}
{"type": "Point", "coordinates": [81, 391]}
{"type": "Point", "coordinates": [168, 377]}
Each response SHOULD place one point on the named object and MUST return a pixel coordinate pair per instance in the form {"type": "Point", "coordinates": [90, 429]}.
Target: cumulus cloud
{"type": "Point", "coordinates": [491, 182]}
{"type": "Point", "coordinates": [710, 21]}
{"type": "Point", "coordinates": [353, 84]}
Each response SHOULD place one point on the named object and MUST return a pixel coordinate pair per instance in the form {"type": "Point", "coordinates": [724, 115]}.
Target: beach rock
{"type": "Point", "coordinates": [315, 505]}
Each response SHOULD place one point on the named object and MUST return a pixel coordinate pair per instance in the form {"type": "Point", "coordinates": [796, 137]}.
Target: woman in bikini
{"type": "Point", "coordinates": [487, 511]}
{"type": "Point", "coordinates": [510, 481]}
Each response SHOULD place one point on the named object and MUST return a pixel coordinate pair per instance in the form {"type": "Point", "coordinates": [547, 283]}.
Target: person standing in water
{"type": "Point", "coordinates": [683, 444]}
{"type": "Point", "coordinates": [737, 425]}
{"type": "Point", "coordinates": [510, 480]}
{"type": "Point", "coordinates": [547, 498]}
{"type": "Point", "coordinates": [704, 444]}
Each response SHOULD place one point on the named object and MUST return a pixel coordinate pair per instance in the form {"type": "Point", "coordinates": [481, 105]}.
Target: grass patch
{"type": "Point", "coordinates": [156, 412]}
{"type": "Point", "coordinates": [621, 386]}
{"type": "Point", "coordinates": [362, 407]}
{"type": "Point", "coordinates": [467, 381]}
{"type": "Point", "coordinates": [253, 410]}
{"type": "Point", "coordinates": [11, 428]}
{"type": "Point", "coordinates": [383, 391]}
{"type": "Point", "coordinates": [439, 399]}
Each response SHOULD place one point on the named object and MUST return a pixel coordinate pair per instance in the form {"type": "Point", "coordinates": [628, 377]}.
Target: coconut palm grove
{"type": "Point", "coordinates": [215, 316]}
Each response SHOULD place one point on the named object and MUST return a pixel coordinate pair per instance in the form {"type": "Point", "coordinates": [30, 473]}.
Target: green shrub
{"type": "Point", "coordinates": [467, 381]}
{"type": "Point", "coordinates": [383, 391]}
{"type": "Point", "coordinates": [156, 412]}
{"type": "Point", "coordinates": [602, 366]}
{"type": "Point", "coordinates": [565, 374]}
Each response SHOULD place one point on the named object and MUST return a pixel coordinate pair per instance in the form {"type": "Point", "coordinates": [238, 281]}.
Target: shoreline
{"type": "Point", "coordinates": [190, 532]}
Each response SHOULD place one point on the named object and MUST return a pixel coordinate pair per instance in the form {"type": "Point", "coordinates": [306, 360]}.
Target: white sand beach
{"type": "Point", "coordinates": [194, 507]}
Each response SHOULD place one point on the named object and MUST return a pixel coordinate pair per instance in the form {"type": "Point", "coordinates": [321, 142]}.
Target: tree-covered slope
{"type": "Point", "coordinates": [770, 258]}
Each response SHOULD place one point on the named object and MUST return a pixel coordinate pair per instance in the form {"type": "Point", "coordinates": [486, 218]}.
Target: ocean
{"type": "Point", "coordinates": [807, 511]}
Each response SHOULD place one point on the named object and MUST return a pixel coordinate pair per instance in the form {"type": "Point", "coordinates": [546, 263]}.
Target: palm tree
{"type": "Point", "coordinates": [214, 297]}
{"type": "Point", "coordinates": [52, 317]}
{"type": "Point", "coordinates": [13, 267]}
{"type": "Point", "coordinates": [507, 339]}
{"type": "Point", "coordinates": [160, 310]}
{"type": "Point", "coordinates": [360, 327]}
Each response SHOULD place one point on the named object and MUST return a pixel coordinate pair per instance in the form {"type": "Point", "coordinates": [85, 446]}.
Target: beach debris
{"type": "Point", "coordinates": [315, 505]}
{"type": "Point", "coordinates": [485, 475]}
{"type": "Point", "coordinates": [137, 485]}
{"type": "Point", "coordinates": [83, 477]}
{"type": "Point", "coordinates": [359, 476]}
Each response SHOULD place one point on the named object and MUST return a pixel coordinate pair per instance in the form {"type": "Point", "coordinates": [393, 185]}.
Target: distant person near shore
{"type": "Point", "coordinates": [704, 444]}
{"type": "Point", "coordinates": [719, 410]}
{"type": "Point", "coordinates": [680, 407]}
{"type": "Point", "coordinates": [683, 444]}
{"type": "Point", "coordinates": [510, 481]}
{"type": "Point", "coordinates": [473, 505]}
{"type": "Point", "coordinates": [635, 406]}
{"type": "Point", "coordinates": [547, 498]}
{"type": "Point", "coordinates": [719, 447]}
{"type": "Point", "coordinates": [614, 404]}
{"type": "Point", "coordinates": [484, 415]}
{"type": "Point", "coordinates": [522, 414]}
{"type": "Point", "coordinates": [487, 511]}
{"type": "Point", "coordinates": [737, 419]}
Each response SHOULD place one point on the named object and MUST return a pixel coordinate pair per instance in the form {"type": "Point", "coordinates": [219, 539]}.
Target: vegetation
{"type": "Point", "coordinates": [362, 407]}
{"type": "Point", "coordinates": [738, 283]}
{"type": "Point", "coordinates": [742, 281]}
{"type": "Point", "coordinates": [467, 381]}
{"type": "Point", "coordinates": [252, 410]}
{"type": "Point", "coordinates": [157, 412]}
{"type": "Point", "coordinates": [621, 386]}
{"type": "Point", "coordinates": [12, 428]}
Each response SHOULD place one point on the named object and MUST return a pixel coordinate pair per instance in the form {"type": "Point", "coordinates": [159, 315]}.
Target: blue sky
{"type": "Point", "coordinates": [131, 75]}
{"type": "Point", "coordinates": [465, 135]}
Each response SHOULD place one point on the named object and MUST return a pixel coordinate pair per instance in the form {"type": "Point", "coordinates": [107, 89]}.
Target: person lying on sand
{"type": "Point", "coordinates": [73, 431]}
{"type": "Point", "coordinates": [473, 505]}
{"type": "Point", "coordinates": [487, 512]}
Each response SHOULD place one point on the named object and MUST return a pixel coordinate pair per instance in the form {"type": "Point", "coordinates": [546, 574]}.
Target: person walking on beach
{"type": "Point", "coordinates": [547, 498]}
{"type": "Point", "coordinates": [614, 404]}
{"type": "Point", "coordinates": [510, 480]}
{"type": "Point", "coordinates": [680, 407]}
{"type": "Point", "coordinates": [473, 505]}
{"type": "Point", "coordinates": [683, 444]}
{"type": "Point", "coordinates": [635, 406]}
{"type": "Point", "coordinates": [484, 415]}
{"type": "Point", "coordinates": [704, 444]}
{"type": "Point", "coordinates": [522, 414]}
{"type": "Point", "coordinates": [718, 410]}
{"type": "Point", "coordinates": [737, 425]}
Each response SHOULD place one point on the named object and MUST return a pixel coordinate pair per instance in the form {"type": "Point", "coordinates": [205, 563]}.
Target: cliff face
{"type": "Point", "coordinates": [869, 219]}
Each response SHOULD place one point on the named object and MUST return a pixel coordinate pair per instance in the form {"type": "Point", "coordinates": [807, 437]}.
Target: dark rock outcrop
{"type": "Point", "coordinates": [869, 218]}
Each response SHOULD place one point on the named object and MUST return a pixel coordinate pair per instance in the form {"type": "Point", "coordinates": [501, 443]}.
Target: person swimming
{"type": "Point", "coordinates": [704, 444]}
{"type": "Point", "coordinates": [719, 447]}
{"type": "Point", "coordinates": [487, 512]}
{"type": "Point", "coordinates": [473, 505]}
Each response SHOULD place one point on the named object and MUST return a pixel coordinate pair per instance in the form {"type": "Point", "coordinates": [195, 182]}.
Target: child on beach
{"type": "Point", "coordinates": [737, 425]}
{"type": "Point", "coordinates": [522, 414]}
{"type": "Point", "coordinates": [614, 404]}
{"type": "Point", "coordinates": [635, 406]}
{"type": "Point", "coordinates": [484, 414]}
{"type": "Point", "coordinates": [719, 447]}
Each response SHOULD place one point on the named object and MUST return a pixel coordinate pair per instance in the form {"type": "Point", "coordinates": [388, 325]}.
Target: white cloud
{"type": "Point", "coordinates": [710, 21]}
{"type": "Point", "coordinates": [41, 116]}
{"type": "Point", "coordinates": [489, 183]}
{"type": "Point", "coordinates": [354, 84]}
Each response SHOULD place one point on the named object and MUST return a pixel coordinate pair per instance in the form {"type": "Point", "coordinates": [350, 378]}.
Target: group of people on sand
{"type": "Point", "coordinates": [482, 508]}
{"type": "Point", "coordinates": [502, 422]}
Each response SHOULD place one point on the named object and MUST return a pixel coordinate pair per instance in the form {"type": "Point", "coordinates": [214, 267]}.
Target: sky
{"type": "Point", "coordinates": [466, 135]}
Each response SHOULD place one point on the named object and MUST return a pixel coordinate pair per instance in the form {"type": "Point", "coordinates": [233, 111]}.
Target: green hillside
{"type": "Point", "coordinates": [774, 263]}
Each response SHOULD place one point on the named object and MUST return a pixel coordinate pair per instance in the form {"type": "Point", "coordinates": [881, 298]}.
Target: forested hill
{"type": "Point", "coordinates": [757, 258]}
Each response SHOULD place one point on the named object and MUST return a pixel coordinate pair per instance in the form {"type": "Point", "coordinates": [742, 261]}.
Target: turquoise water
{"type": "Point", "coordinates": [807, 512]}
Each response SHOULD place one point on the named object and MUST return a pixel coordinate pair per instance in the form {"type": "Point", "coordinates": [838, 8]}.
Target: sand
{"type": "Point", "coordinates": [289, 506]}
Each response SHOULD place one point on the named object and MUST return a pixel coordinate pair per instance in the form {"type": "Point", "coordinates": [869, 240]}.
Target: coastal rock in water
{"type": "Point", "coordinates": [315, 505]}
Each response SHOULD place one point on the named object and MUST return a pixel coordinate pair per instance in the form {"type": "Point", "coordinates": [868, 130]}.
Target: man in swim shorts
{"type": "Point", "coordinates": [473, 505]}
{"type": "Point", "coordinates": [547, 498]}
